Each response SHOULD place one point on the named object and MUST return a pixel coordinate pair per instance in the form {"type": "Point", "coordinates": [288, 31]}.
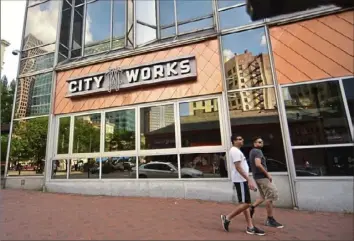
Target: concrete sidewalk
{"type": "Point", "coordinates": [34, 215]}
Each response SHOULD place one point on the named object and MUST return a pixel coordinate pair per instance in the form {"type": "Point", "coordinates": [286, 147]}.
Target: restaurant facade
{"type": "Point", "coordinates": [140, 98]}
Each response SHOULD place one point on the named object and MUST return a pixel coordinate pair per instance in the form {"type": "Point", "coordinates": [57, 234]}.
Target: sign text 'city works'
{"type": "Point", "coordinates": [172, 70]}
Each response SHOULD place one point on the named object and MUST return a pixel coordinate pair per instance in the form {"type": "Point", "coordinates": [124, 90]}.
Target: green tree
{"type": "Point", "coordinates": [7, 95]}
{"type": "Point", "coordinates": [63, 136]}
{"type": "Point", "coordinates": [121, 139]}
{"type": "Point", "coordinates": [29, 140]}
{"type": "Point", "coordinates": [86, 136]}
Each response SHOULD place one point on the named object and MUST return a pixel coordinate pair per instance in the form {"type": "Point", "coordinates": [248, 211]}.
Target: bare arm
{"type": "Point", "coordinates": [241, 171]}
{"type": "Point", "coordinates": [260, 166]}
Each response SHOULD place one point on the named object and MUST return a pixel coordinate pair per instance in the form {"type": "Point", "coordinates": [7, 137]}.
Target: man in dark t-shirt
{"type": "Point", "coordinates": [268, 191]}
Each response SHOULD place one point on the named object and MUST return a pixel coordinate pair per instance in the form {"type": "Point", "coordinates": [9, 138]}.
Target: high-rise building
{"type": "Point", "coordinates": [205, 106]}
{"type": "Point", "coordinates": [248, 71]}
{"type": "Point", "coordinates": [4, 44]}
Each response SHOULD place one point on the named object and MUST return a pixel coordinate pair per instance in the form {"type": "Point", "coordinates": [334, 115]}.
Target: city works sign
{"type": "Point", "coordinates": [172, 70]}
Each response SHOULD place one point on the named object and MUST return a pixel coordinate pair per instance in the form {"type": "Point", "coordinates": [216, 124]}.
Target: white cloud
{"type": "Point", "coordinates": [228, 54]}
{"type": "Point", "coordinates": [12, 14]}
{"type": "Point", "coordinates": [88, 34]}
{"type": "Point", "coordinates": [263, 40]}
{"type": "Point", "coordinates": [43, 22]}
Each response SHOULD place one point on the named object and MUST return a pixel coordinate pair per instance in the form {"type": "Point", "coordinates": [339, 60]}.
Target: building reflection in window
{"type": "Point", "coordinates": [39, 39]}
{"type": "Point", "coordinates": [157, 127]}
{"type": "Point", "coordinates": [120, 130]}
{"type": "Point", "coordinates": [316, 114]}
{"type": "Point", "coordinates": [254, 113]}
{"type": "Point", "coordinates": [33, 95]}
{"type": "Point", "coordinates": [329, 161]}
{"type": "Point", "coordinates": [28, 147]}
{"type": "Point", "coordinates": [87, 133]}
{"type": "Point", "coordinates": [117, 167]}
{"type": "Point", "coordinates": [200, 124]}
{"type": "Point", "coordinates": [84, 168]}
{"type": "Point", "coordinates": [247, 63]}
{"type": "Point", "coordinates": [204, 165]}
{"type": "Point", "coordinates": [164, 166]}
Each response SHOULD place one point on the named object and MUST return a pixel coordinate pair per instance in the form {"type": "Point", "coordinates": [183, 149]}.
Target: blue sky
{"type": "Point", "coordinates": [184, 109]}
{"type": "Point", "coordinates": [252, 40]}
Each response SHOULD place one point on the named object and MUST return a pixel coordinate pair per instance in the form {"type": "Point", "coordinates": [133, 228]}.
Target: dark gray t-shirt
{"type": "Point", "coordinates": [257, 153]}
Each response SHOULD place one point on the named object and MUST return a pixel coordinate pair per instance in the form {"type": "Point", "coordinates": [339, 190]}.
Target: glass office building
{"type": "Point", "coordinates": [140, 98]}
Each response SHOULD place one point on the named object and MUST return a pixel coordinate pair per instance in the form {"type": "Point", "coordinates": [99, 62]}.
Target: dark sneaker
{"type": "Point", "coordinates": [225, 223]}
{"type": "Point", "coordinates": [255, 231]}
{"type": "Point", "coordinates": [252, 211]}
{"type": "Point", "coordinates": [271, 222]}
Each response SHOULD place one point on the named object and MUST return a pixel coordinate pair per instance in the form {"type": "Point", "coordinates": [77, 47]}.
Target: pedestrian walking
{"type": "Point", "coordinates": [243, 184]}
{"type": "Point", "coordinates": [267, 189]}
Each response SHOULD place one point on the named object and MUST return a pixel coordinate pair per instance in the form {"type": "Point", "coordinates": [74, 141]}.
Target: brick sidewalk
{"type": "Point", "coordinates": [35, 215]}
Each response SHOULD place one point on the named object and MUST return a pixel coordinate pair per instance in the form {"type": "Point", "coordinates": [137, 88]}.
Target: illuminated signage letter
{"type": "Point", "coordinates": [185, 67]}
{"type": "Point", "coordinates": [132, 75]}
{"type": "Point", "coordinates": [88, 83]}
{"type": "Point", "coordinates": [146, 73]}
{"type": "Point", "coordinates": [158, 71]}
{"type": "Point", "coordinates": [171, 68]}
{"type": "Point", "coordinates": [72, 86]}
{"type": "Point", "coordinates": [98, 80]}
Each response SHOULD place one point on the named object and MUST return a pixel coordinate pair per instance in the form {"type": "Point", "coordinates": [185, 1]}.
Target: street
{"type": "Point", "coordinates": [29, 215]}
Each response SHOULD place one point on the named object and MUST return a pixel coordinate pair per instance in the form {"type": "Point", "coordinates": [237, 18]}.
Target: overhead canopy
{"type": "Point", "coordinates": [259, 9]}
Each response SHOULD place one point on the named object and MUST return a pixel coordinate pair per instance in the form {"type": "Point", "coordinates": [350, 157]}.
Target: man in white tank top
{"type": "Point", "coordinates": [243, 184]}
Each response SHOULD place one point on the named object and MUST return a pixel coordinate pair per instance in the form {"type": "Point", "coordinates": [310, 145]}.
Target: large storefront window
{"type": "Point", "coordinates": [157, 127]}
{"type": "Point", "coordinates": [120, 167]}
{"type": "Point", "coordinates": [252, 100]}
{"type": "Point", "coordinates": [319, 128]}
{"type": "Point", "coordinates": [200, 125]}
{"type": "Point", "coordinates": [196, 152]}
{"type": "Point", "coordinates": [28, 147]}
{"type": "Point", "coordinates": [246, 60]}
{"type": "Point", "coordinates": [84, 168]}
{"type": "Point", "coordinates": [204, 165]}
{"type": "Point", "coordinates": [60, 169]}
{"type": "Point", "coordinates": [254, 113]}
{"type": "Point", "coordinates": [165, 166]}
{"type": "Point", "coordinates": [329, 161]}
{"type": "Point", "coordinates": [316, 114]}
{"type": "Point", "coordinates": [120, 130]}
{"type": "Point", "coordinates": [87, 133]}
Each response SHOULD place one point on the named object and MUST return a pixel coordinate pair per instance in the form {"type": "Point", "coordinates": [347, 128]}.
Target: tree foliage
{"type": "Point", "coordinates": [29, 140]}
{"type": "Point", "coordinates": [86, 136]}
{"type": "Point", "coordinates": [120, 140]}
{"type": "Point", "coordinates": [7, 95]}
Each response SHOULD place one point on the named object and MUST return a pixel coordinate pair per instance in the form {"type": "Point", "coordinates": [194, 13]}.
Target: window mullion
{"type": "Point", "coordinates": [175, 11]}
{"type": "Point", "coordinates": [157, 4]}
{"type": "Point", "coordinates": [71, 29]}
{"type": "Point", "coordinates": [83, 35]}
{"type": "Point", "coordinates": [112, 12]}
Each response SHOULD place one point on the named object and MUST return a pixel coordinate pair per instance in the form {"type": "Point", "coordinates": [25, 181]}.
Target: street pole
{"type": "Point", "coordinates": [15, 52]}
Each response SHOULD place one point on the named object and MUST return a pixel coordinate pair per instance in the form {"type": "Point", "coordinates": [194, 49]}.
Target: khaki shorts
{"type": "Point", "coordinates": [267, 189]}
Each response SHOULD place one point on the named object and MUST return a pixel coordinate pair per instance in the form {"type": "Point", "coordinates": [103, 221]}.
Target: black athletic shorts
{"type": "Point", "coordinates": [243, 192]}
